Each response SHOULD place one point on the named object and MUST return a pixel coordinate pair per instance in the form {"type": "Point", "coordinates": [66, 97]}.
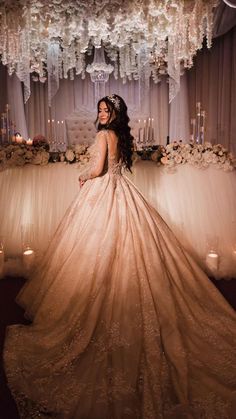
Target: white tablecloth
{"type": "Point", "coordinates": [199, 205]}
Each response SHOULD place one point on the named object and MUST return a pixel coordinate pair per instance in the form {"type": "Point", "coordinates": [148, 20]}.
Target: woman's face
{"type": "Point", "coordinates": [103, 113]}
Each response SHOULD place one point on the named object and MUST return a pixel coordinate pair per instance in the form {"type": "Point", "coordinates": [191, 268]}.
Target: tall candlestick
{"type": "Point", "coordinates": [203, 115]}
{"type": "Point", "coordinates": [144, 131]}
{"type": "Point", "coordinates": [152, 135]}
{"type": "Point", "coordinates": [139, 128]}
{"type": "Point", "coordinates": [53, 135]}
{"type": "Point", "coordinates": [28, 258]}
{"type": "Point", "coordinates": [63, 135]}
{"type": "Point", "coordinates": [198, 106]}
{"type": "Point", "coordinates": [193, 124]}
{"type": "Point", "coordinates": [58, 134]}
{"type": "Point", "coordinates": [7, 122]}
{"type": "Point", "coordinates": [50, 132]}
{"type": "Point", "coordinates": [149, 130]}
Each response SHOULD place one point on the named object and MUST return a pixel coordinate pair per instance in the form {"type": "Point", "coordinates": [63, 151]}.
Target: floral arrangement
{"type": "Point", "coordinates": [198, 155]}
{"type": "Point", "coordinates": [20, 154]}
{"type": "Point", "coordinates": [174, 154]}
{"type": "Point", "coordinates": [78, 153]}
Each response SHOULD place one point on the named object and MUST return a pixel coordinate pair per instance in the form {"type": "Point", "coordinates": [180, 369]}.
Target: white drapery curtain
{"type": "Point", "coordinates": [179, 113]}
{"type": "Point", "coordinates": [212, 81]}
{"type": "Point", "coordinates": [16, 102]}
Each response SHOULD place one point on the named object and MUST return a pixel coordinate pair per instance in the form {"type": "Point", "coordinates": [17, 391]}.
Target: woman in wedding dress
{"type": "Point", "coordinates": [124, 322]}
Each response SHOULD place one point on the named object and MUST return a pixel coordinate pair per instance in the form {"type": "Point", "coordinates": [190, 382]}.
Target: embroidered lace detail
{"type": "Point", "coordinates": [108, 164]}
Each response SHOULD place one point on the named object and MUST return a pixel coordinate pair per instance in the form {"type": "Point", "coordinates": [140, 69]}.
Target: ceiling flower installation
{"type": "Point", "coordinates": [141, 38]}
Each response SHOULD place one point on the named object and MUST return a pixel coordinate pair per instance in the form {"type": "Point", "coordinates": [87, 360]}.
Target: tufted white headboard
{"type": "Point", "coordinates": [81, 129]}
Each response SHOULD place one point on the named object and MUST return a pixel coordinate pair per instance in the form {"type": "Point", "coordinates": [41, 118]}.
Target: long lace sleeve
{"type": "Point", "coordinates": [98, 158]}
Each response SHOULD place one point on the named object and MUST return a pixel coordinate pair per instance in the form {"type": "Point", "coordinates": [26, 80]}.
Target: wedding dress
{"type": "Point", "coordinates": [125, 324]}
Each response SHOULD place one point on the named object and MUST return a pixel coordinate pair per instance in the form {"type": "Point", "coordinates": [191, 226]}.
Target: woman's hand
{"type": "Point", "coordinates": [81, 182]}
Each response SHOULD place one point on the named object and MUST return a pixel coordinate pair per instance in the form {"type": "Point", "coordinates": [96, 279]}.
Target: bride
{"type": "Point", "coordinates": [124, 322]}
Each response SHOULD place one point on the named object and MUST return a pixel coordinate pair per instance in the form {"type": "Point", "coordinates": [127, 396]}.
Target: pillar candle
{"type": "Point", "coordinates": [212, 260]}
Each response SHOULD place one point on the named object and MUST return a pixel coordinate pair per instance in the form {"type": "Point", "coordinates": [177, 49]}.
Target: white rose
{"type": "Point", "coordinates": [154, 156]}
{"type": "Point", "coordinates": [214, 158]}
{"type": "Point", "coordinates": [84, 159]}
{"type": "Point", "coordinates": [227, 166]}
{"type": "Point", "coordinates": [169, 147]}
{"type": "Point", "coordinates": [208, 157]}
{"type": "Point", "coordinates": [70, 156]}
{"type": "Point", "coordinates": [28, 154]}
{"type": "Point", "coordinates": [41, 158]}
{"type": "Point", "coordinates": [187, 146]}
{"type": "Point", "coordinates": [178, 159]}
{"type": "Point", "coordinates": [164, 160]}
{"type": "Point", "coordinates": [222, 159]}
{"type": "Point", "coordinates": [208, 144]}
{"type": "Point", "coordinates": [62, 157]}
{"type": "Point", "coordinates": [44, 158]}
{"type": "Point", "coordinates": [17, 160]}
{"type": "Point", "coordinates": [80, 148]}
{"type": "Point", "coordinates": [200, 147]}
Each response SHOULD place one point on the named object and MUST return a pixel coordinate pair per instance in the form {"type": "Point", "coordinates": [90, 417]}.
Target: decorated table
{"type": "Point", "coordinates": [198, 204]}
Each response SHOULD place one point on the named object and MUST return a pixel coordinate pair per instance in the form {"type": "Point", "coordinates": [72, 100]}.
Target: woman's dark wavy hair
{"type": "Point", "coordinates": [120, 125]}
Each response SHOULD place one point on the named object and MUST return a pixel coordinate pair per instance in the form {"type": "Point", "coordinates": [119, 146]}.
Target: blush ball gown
{"type": "Point", "coordinates": [124, 322]}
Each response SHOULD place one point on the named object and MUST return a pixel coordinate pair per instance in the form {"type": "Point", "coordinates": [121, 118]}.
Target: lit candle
{"type": "Point", "coordinates": [53, 134]}
{"type": "Point", "coordinates": [198, 105]}
{"type": "Point", "coordinates": [7, 122]}
{"type": "Point", "coordinates": [29, 141]}
{"type": "Point", "coordinates": [149, 130]}
{"type": "Point", "coordinates": [203, 115]}
{"type": "Point", "coordinates": [212, 260]}
{"type": "Point", "coordinates": [193, 124]}
{"type": "Point", "coordinates": [152, 135]}
{"type": "Point", "coordinates": [57, 139]}
{"type": "Point", "coordinates": [28, 258]}
{"type": "Point", "coordinates": [1, 262]}
{"type": "Point", "coordinates": [63, 135]}
{"type": "Point", "coordinates": [19, 138]}
{"type": "Point", "coordinates": [139, 129]}
{"type": "Point", "coordinates": [144, 130]}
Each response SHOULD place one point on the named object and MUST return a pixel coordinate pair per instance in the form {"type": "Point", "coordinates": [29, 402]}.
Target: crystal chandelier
{"type": "Point", "coordinates": [99, 70]}
{"type": "Point", "coordinates": [141, 38]}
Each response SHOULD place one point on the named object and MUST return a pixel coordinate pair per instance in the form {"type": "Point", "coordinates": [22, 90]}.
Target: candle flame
{"type": "Point", "coordinates": [213, 255]}
{"type": "Point", "coordinates": [28, 252]}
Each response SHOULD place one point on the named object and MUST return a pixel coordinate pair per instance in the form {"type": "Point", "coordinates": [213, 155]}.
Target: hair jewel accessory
{"type": "Point", "coordinates": [115, 100]}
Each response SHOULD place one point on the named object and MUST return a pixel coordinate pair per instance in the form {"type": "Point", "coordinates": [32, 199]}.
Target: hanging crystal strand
{"type": "Point", "coordinates": [79, 59]}
{"type": "Point", "coordinates": [60, 64]}
{"type": "Point", "coordinates": [5, 38]}
{"type": "Point", "coordinates": [53, 70]}
{"type": "Point", "coordinates": [122, 62]}
{"type": "Point", "coordinates": [209, 24]}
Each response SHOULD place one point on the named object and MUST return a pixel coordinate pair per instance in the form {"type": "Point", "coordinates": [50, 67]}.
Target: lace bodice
{"type": "Point", "coordinates": [104, 156]}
